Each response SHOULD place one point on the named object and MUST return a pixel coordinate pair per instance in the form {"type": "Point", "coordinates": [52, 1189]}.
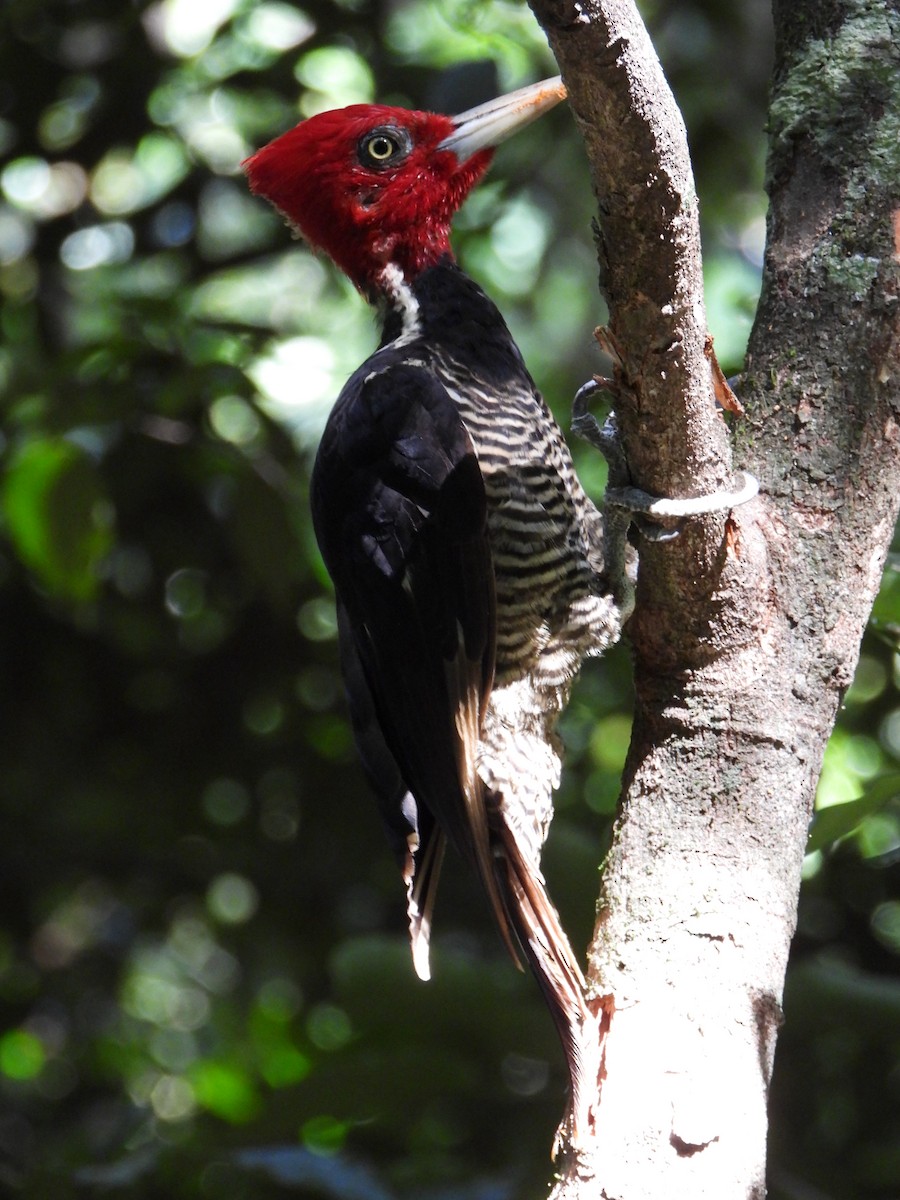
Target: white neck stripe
{"type": "Point", "coordinates": [402, 299]}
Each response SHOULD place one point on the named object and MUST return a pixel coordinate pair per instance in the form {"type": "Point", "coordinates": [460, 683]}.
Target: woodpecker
{"type": "Point", "coordinates": [467, 560]}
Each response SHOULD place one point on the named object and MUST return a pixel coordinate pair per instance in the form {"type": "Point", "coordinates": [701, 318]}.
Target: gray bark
{"type": "Point", "coordinates": [747, 627]}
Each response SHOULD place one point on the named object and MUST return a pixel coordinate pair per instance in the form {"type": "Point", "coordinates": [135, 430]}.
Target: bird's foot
{"type": "Point", "coordinates": [663, 517]}
{"type": "Point", "coordinates": [657, 518]}
{"type": "Point", "coordinates": [605, 437]}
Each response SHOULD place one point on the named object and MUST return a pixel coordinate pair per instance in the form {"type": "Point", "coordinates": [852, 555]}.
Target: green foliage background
{"type": "Point", "coordinates": [204, 987]}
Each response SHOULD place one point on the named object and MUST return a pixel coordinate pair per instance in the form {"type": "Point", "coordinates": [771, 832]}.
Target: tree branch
{"type": "Point", "coordinates": [747, 628]}
{"type": "Point", "coordinates": [648, 241]}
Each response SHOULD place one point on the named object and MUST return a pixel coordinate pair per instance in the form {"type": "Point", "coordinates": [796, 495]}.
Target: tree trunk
{"type": "Point", "coordinates": [747, 626]}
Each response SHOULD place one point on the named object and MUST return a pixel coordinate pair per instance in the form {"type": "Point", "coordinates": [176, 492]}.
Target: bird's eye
{"type": "Point", "coordinates": [383, 147]}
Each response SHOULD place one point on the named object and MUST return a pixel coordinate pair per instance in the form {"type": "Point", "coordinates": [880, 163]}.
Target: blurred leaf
{"type": "Point", "coordinates": [839, 820]}
{"type": "Point", "coordinates": [21, 1055]}
{"type": "Point", "coordinates": [324, 1135]}
{"type": "Point", "coordinates": [58, 515]}
{"type": "Point", "coordinates": [226, 1090]}
{"type": "Point", "coordinates": [833, 993]}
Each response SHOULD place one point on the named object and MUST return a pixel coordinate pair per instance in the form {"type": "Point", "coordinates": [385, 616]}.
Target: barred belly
{"type": "Point", "coordinates": [553, 603]}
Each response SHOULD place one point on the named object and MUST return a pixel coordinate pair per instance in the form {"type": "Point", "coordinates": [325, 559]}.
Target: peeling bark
{"type": "Point", "coordinates": [747, 627]}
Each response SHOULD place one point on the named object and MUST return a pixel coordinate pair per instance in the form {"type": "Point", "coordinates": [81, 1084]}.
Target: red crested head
{"type": "Point", "coordinates": [368, 185]}
{"type": "Point", "coordinates": [377, 187]}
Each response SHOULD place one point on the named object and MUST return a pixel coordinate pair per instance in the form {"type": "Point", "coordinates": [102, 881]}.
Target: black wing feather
{"type": "Point", "coordinates": [417, 841]}
{"type": "Point", "coordinates": [400, 513]}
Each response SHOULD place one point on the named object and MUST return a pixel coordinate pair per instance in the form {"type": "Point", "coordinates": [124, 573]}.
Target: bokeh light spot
{"type": "Point", "coordinates": [232, 899]}
{"type": "Point", "coordinates": [22, 1055]}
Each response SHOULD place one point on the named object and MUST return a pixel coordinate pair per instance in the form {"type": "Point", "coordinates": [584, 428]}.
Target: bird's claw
{"type": "Point", "coordinates": [605, 437]}
{"type": "Point", "coordinates": [658, 518]}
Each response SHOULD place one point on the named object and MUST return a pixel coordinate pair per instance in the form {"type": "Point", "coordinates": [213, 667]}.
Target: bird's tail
{"type": "Point", "coordinates": [555, 967]}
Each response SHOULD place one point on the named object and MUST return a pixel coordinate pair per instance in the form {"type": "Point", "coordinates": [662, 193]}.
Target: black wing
{"type": "Point", "coordinates": [418, 843]}
{"type": "Point", "coordinates": [400, 514]}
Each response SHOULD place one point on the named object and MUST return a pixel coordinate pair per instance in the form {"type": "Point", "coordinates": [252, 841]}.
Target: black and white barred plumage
{"type": "Point", "coordinates": [468, 566]}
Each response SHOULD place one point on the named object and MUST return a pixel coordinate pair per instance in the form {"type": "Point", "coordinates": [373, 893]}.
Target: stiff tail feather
{"type": "Point", "coordinates": [421, 879]}
{"type": "Point", "coordinates": [556, 969]}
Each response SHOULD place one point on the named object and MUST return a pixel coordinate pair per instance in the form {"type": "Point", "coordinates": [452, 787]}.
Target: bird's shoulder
{"type": "Point", "coordinates": [395, 459]}
{"type": "Point", "coordinates": [394, 419]}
